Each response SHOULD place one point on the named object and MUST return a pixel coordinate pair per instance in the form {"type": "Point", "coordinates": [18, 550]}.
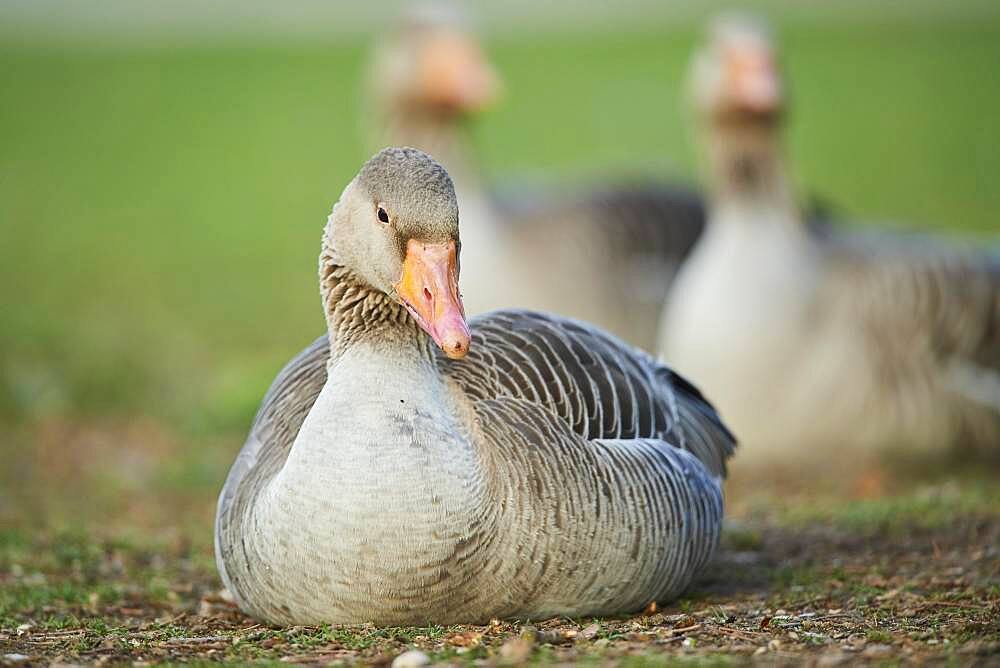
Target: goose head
{"type": "Point", "coordinates": [432, 64]}
{"type": "Point", "coordinates": [395, 230]}
{"type": "Point", "coordinates": [735, 77]}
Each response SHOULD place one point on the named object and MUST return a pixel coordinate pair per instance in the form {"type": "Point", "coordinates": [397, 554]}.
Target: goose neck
{"type": "Point", "coordinates": [443, 135]}
{"type": "Point", "coordinates": [359, 315]}
{"type": "Point", "coordinates": [747, 169]}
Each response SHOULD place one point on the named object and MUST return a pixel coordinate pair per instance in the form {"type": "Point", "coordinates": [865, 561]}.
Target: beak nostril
{"type": "Point", "coordinates": [427, 294]}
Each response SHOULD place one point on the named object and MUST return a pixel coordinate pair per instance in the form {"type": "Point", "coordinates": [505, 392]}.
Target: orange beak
{"type": "Point", "coordinates": [455, 75]}
{"type": "Point", "coordinates": [428, 289]}
{"type": "Point", "coordinates": [754, 81]}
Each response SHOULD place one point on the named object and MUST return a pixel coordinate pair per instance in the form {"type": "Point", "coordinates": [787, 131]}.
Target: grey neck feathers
{"type": "Point", "coordinates": [747, 169]}
{"type": "Point", "coordinates": [356, 312]}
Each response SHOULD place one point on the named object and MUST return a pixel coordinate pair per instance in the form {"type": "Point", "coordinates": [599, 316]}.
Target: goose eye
{"type": "Point", "coordinates": [383, 216]}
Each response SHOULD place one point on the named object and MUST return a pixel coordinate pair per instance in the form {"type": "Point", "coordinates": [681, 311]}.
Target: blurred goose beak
{"type": "Point", "coordinates": [455, 75]}
{"type": "Point", "coordinates": [428, 289]}
{"type": "Point", "coordinates": [753, 80]}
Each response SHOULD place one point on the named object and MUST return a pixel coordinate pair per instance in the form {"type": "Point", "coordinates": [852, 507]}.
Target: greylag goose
{"type": "Point", "coordinates": [813, 342]}
{"type": "Point", "coordinates": [527, 466]}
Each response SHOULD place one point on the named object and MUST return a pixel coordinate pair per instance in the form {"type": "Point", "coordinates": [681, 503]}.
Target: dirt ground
{"type": "Point", "coordinates": [912, 579]}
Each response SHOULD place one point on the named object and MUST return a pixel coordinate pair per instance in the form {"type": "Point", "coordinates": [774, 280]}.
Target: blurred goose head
{"type": "Point", "coordinates": [431, 64]}
{"type": "Point", "coordinates": [739, 98]}
{"type": "Point", "coordinates": [735, 76]}
{"type": "Point", "coordinates": [392, 239]}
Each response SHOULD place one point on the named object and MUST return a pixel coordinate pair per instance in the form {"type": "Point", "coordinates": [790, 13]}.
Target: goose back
{"type": "Point", "coordinates": [599, 386]}
{"type": "Point", "coordinates": [928, 315]}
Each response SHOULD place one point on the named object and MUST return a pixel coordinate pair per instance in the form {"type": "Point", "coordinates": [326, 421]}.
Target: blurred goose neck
{"type": "Point", "coordinates": [440, 134]}
{"type": "Point", "coordinates": [747, 170]}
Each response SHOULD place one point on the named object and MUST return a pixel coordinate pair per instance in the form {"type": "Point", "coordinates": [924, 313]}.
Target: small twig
{"type": "Point", "coordinates": [811, 603]}
{"type": "Point", "coordinates": [198, 641]}
{"type": "Point", "coordinates": [745, 635]}
{"type": "Point", "coordinates": [686, 629]}
{"type": "Point", "coordinates": [60, 634]}
{"type": "Point", "coordinates": [949, 604]}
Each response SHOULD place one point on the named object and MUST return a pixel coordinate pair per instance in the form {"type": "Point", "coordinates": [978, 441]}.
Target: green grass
{"type": "Point", "coordinates": [921, 506]}
{"type": "Point", "coordinates": [160, 208]}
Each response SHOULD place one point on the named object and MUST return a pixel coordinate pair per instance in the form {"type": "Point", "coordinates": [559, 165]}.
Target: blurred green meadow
{"type": "Point", "coordinates": [161, 206]}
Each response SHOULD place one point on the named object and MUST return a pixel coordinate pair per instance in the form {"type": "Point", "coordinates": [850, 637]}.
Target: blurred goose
{"type": "Point", "coordinates": [429, 78]}
{"type": "Point", "coordinates": [527, 466]}
{"type": "Point", "coordinates": [604, 254]}
{"type": "Point", "coordinates": [821, 342]}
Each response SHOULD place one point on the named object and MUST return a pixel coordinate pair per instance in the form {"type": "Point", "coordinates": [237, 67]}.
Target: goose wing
{"type": "Point", "coordinates": [600, 387]}
{"type": "Point", "coordinates": [932, 313]}
{"type": "Point", "coordinates": [281, 414]}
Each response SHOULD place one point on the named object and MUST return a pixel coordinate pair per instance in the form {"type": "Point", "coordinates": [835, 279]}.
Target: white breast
{"type": "Point", "coordinates": [373, 497]}
{"type": "Point", "coordinates": [741, 318]}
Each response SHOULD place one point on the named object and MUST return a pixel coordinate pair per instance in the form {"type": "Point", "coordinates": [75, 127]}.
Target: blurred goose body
{"type": "Point", "coordinates": [606, 256]}
{"type": "Point", "coordinates": [527, 467]}
{"type": "Point", "coordinates": [821, 341]}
